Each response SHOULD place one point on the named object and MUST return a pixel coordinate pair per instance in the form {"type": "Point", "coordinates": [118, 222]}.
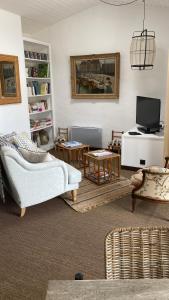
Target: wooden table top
{"type": "Point", "coordinates": [102, 157]}
{"type": "Point", "coordinates": [135, 289]}
{"type": "Point", "coordinates": [73, 148]}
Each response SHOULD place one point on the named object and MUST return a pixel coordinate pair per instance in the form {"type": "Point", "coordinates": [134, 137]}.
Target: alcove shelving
{"type": "Point", "coordinates": [40, 93]}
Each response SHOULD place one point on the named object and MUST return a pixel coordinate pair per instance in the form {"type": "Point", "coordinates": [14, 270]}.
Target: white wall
{"type": "Point", "coordinates": [13, 116]}
{"type": "Point", "coordinates": [105, 29]}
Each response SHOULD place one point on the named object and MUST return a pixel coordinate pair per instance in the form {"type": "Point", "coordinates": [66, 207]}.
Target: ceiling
{"type": "Point", "coordinates": [38, 14]}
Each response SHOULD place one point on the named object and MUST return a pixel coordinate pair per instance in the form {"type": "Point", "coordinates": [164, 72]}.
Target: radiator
{"type": "Point", "coordinates": [87, 135]}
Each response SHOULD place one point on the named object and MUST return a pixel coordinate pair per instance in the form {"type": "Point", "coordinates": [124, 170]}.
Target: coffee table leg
{"type": "Point", "coordinates": [84, 164]}
{"type": "Point", "coordinates": [118, 166]}
{"type": "Point", "coordinates": [98, 178]}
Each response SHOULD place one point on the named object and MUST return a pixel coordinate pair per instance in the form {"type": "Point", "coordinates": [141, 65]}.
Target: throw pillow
{"type": "Point", "coordinates": [22, 140]}
{"type": "Point", "coordinates": [9, 136]}
{"type": "Point", "coordinates": [5, 142]}
{"type": "Point", "coordinates": [33, 156]}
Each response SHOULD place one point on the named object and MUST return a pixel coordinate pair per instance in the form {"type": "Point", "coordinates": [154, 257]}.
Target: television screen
{"type": "Point", "coordinates": [148, 113]}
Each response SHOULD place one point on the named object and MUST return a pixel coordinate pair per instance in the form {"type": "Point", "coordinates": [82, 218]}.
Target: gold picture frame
{"type": "Point", "coordinates": [95, 76]}
{"type": "Point", "coordinates": [9, 80]}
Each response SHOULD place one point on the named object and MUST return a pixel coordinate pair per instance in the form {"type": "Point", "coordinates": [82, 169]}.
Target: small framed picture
{"type": "Point", "coordinates": [35, 55]}
{"type": "Point", "coordinates": [38, 56]}
{"type": "Point", "coordinates": [31, 54]}
{"type": "Point", "coordinates": [26, 54]}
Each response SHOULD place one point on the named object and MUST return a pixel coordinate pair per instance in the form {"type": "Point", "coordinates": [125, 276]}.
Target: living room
{"type": "Point", "coordinates": [53, 241]}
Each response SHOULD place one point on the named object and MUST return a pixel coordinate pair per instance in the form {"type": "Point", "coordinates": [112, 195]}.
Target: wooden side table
{"type": "Point", "coordinates": [101, 169]}
{"type": "Point", "coordinates": [72, 155]}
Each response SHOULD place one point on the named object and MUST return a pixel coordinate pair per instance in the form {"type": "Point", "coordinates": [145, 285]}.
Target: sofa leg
{"type": "Point", "coordinates": [23, 210]}
{"type": "Point", "coordinates": [74, 195]}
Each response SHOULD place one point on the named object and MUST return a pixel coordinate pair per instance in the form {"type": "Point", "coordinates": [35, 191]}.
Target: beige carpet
{"type": "Point", "coordinates": [91, 195]}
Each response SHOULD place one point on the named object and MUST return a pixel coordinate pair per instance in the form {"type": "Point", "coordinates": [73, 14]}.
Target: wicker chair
{"type": "Point", "coordinates": [133, 253]}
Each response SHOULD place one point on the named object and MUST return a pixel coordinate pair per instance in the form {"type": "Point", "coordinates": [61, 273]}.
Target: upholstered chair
{"type": "Point", "coordinates": [151, 184]}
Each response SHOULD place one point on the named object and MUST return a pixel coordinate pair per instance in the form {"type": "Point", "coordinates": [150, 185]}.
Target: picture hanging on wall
{"type": "Point", "coordinates": [95, 76]}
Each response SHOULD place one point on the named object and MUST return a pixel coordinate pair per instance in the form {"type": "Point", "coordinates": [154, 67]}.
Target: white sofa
{"type": "Point", "coordinates": [33, 183]}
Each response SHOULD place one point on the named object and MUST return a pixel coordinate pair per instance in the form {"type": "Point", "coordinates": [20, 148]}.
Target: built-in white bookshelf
{"type": "Point", "coordinates": [40, 93]}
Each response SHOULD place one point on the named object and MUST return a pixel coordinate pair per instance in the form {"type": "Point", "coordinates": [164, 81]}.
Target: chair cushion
{"type": "Point", "coordinates": [74, 175]}
{"type": "Point", "coordinates": [156, 187]}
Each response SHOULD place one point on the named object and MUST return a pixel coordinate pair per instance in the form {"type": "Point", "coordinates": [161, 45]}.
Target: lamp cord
{"type": "Point", "coordinates": [121, 4]}
{"type": "Point", "coordinates": [144, 14]}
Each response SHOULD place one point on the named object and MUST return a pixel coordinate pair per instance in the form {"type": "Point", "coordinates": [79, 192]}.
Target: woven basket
{"type": "Point", "coordinates": [141, 252]}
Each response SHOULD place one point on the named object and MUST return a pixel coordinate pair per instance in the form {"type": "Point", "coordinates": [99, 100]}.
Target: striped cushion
{"type": "Point", "coordinates": [9, 136]}
{"type": "Point", "coordinates": [4, 142]}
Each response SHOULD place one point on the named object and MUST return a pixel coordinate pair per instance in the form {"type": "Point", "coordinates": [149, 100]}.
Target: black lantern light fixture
{"type": "Point", "coordinates": [143, 49]}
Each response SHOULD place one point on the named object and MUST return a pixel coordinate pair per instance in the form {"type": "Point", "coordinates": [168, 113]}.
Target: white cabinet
{"type": "Point", "coordinates": [142, 150]}
{"type": "Point", "coordinates": [40, 93]}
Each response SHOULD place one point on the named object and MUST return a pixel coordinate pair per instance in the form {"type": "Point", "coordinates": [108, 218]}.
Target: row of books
{"type": "Point", "coordinates": [36, 124]}
{"type": "Point", "coordinates": [38, 88]}
{"type": "Point", "coordinates": [35, 55]}
{"type": "Point", "coordinates": [40, 106]}
{"type": "Point", "coordinates": [41, 71]}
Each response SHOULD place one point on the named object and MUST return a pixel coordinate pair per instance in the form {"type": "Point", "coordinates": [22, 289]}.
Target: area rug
{"type": "Point", "coordinates": [91, 195]}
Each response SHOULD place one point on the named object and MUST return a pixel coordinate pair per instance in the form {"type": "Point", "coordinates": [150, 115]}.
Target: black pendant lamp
{"type": "Point", "coordinates": [143, 49]}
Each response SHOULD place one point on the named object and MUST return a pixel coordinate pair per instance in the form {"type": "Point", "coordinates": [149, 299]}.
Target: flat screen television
{"type": "Point", "coordinates": [148, 114]}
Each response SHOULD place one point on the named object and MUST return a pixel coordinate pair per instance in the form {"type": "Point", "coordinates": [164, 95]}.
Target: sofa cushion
{"type": "Point", "coordinates": [74, 175]}
{"type": "Point", "coordinates": [34, 156]}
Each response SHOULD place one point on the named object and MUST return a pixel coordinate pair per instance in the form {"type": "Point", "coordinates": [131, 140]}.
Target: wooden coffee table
{"type": "Point", "coordinates": [101, 169]}
{"type": "Point", "coordinates": [72, 155]}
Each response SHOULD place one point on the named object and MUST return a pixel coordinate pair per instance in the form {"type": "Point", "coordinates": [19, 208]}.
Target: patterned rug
{"type": "Point", "coordinates": [91, 195]}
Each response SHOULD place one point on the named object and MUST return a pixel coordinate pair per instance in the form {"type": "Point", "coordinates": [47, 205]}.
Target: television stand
{"type": "Point", "coordinates": [142, 150]}
{"type": "Point", "coordinates": [148, 130]}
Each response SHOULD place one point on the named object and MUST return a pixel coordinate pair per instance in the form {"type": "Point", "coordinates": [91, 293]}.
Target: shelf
{"type": "Point", "coordinates": [37, 60]}
{"type": "Point", "coordinates": [40, 128]}
{"type": "Point", "coordinates": [38, 78]}
{"type": "Point", "coordinates": [38, 83]}
{"type": "Point", "coordinates": [34, 96]}
{"type": "Point", "coordinates": [40, 112]}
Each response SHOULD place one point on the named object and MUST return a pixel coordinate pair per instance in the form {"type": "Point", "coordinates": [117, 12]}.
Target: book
{"type": "Point", "coordinates": [100, 153]}
{"type": "Point", "coordinates": [44, 88]}
{"type": "Point", "coordinates": [101, 175]}
{"type": "Point", "coordinates": [72, 144]}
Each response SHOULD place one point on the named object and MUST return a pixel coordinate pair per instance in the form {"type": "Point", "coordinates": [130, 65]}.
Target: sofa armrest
{"type": "Point", "coordinates": [9, 153]}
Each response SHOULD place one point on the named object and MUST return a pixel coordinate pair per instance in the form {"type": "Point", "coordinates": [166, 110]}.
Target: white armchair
{"type": "Point", "coordinates": [33, 183]}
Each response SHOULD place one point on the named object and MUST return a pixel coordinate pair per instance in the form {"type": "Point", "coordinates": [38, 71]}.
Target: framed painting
{"type": "Point", "coordinates": [9, 79]}
{"type": "Point", "coordinates": [95, 76]}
